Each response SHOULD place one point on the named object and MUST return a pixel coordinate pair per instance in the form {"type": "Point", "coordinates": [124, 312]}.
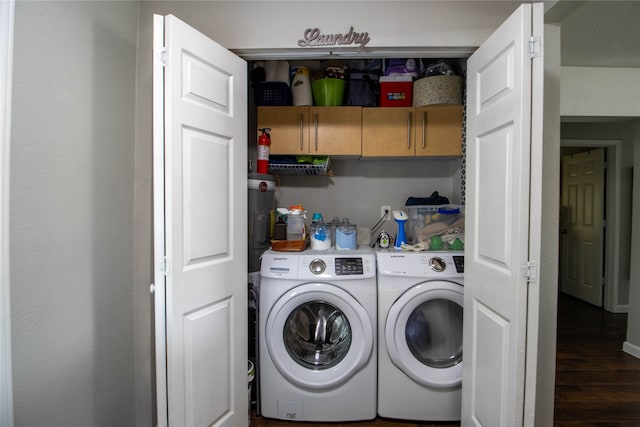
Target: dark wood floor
{"type": "Point", "coordinates": [597, 384]}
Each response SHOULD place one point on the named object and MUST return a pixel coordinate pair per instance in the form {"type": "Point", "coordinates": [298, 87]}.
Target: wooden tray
{"type": "Point", "coordinates": [289, 245]}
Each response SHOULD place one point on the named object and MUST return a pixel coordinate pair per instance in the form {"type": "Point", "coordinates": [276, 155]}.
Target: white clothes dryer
{"type": "Point", "coordinates": [420, 304]}
{"type": "Point", "coordinates": [317, 335]}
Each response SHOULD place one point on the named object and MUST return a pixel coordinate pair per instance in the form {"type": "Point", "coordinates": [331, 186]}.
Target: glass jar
{"type": "Point", "coordinates": [333, 225]}
{"type": "Point", "coordinates": [346, 235]}
{"type": "Point", "coordinates": [320, 236]}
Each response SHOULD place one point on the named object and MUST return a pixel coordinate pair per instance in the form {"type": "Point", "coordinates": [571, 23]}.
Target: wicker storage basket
{"type": "Point", "coordinates": [437, 90]}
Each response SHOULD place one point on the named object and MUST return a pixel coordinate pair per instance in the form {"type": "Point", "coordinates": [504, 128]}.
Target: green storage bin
{"type": "Point", "coordinates": [328, 92]}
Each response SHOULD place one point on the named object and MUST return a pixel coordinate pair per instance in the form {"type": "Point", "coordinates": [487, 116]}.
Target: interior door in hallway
{"type": "Point", "coordinates": [583, 225]}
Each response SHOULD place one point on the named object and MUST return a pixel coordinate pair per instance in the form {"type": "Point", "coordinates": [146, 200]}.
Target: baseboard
{"type": "Point", "coordinates": [633, 350]}
{"type": "Point", "coordinates": [620, 308]}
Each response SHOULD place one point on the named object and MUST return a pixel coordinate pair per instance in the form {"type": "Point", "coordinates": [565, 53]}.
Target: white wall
{"type": "Point", "coordinates": [359, 187]}
{"type": "Point", "coordinates": [632, 345]}
{"type": "Point", "coordinates": [241, 25]}
{"type": "Point", "coordinates": [72, 213]}
{"type": "Point", "coordinates": [600, 92]}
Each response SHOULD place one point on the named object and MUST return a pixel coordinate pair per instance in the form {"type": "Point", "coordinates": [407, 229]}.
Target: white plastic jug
{"type": "Point", "coordinates": [296, 229]}
{"type": "Point", "coordinates": [301, 86]}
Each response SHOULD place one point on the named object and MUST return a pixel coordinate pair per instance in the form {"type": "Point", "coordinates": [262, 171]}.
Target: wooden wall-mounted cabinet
{"type": "Point", "coordinates": [313, 130]}
{"type": "Point", "coordinates": [431, 131]}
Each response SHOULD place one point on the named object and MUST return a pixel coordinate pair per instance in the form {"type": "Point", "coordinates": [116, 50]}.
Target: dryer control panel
{"type": "Point", "coordinates": [421, 264]}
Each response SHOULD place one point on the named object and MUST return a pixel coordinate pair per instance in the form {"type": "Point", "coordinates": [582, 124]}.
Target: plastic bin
{"type": "Point", "coordinates": [328, 92]}
{"type": "Point", "coordinates": [438, 227]}
{"type": "Point", "coordinates": [272, 93]}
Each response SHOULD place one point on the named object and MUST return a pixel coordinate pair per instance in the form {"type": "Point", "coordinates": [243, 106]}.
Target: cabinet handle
{"type": "Point", "coordinates": [424, 125]}
{"type": "Point", "coordinates": [301, 139]}
{"type": "Point", "coordinates": [316, 132]}
{"type": "Point", "coordinates": [409, 130]}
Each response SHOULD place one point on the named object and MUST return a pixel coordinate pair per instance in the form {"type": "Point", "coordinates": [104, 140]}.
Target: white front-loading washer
{"type": "Point", "coordinates": [317, 335]}
{"type": "Point", "coordinates": [420, 308]}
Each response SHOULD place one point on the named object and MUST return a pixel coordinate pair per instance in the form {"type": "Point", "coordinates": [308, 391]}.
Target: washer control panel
{"type": "Point", "coordinates": [331, 264]}
{"type": "Point", "coordinates": [349, 266]}
{"type": "Point", "coordinates": [342, 266]}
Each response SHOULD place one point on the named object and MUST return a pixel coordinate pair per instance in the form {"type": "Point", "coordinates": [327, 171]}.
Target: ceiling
{"type": "Point", "coordinates": [598, 33]}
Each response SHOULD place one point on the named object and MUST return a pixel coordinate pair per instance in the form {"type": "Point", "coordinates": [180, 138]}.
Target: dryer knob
{"type": "Point", "coordinates": [437, 264]}
{"type": "Point", "coordinates": [317, 266]}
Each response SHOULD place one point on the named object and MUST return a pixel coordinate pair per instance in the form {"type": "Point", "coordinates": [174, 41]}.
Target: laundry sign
{"type": "Point", "coordinates": [313, 37]}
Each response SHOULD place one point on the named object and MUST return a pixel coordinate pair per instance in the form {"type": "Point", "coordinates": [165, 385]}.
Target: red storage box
{"type": "Point", "coordinates": [395, 93]}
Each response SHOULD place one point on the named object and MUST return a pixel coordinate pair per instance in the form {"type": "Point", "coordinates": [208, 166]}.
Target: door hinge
{"type": "Point", "coordinates": [165, 266]}
{"type": "Point", "coordinates": [530, 272]}
{"type": "Point", "coordinates": [535, 47]}
{"type": "Point", "coordinates": [162, 55]}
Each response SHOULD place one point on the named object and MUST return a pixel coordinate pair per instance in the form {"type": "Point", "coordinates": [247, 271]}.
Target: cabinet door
{"type": "Point", "coordinates": [335, 130]}
{"type": "Point", "coordinates": [289, 128]}
{"type": "Point", "coordinates": [387, 132]}
{"type": "Point", "coordinates": [438, 130]}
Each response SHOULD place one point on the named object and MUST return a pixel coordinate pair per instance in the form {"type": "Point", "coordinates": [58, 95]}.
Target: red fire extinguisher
{"type": "Point", "coordinates": [264, 141]}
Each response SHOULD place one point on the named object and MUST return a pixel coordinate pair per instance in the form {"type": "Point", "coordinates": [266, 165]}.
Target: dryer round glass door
{"type": "Point", "coordinates": [423, 333]}
{"type": "Point", "coordinates": [434, 333]}
{"type": "Point", "coordinates": [318, 336]}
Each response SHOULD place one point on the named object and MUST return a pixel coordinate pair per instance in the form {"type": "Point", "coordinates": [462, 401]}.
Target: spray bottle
{"type": "Point", "coordinates": [264, 142]}
{"type": "Point", "coordinates": [400, 217]}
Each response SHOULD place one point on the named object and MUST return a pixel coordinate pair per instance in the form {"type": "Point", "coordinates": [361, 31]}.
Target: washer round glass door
{"type": "Point", "coordinates": [318, 336]}
{"type": "Point", "coordinates": [423, 333]}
